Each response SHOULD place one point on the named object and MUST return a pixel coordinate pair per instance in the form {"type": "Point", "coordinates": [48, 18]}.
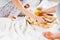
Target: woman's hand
{"type": "Point", "coordinates": [37, 18]}
{"type": "Point", "coordinates": [39, 13]}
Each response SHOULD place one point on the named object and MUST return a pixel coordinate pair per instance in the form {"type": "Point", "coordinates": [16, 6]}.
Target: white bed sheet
{"type": "Point", "coordinates": [20, 30]}
{"type": "Point", "coordinates": [15, 30]}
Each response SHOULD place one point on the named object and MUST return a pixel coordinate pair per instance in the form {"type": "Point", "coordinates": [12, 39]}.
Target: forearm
{"type": "Point", "coordinates": [18, 4]}
{"type": "Point", "coordinates": [51, 10]}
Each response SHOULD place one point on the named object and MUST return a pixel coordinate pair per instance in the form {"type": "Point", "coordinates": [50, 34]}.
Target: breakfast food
{"type": "Point", "coordinates": [29, 21]}
{"type": "Point", "coordinates": [37, 12]}
{"type": "Point", "coordinates": [48, 35]}
{"type": "Point", "coordinates": [49, 19]}
{"type": "Point", "coordinates": [47, 23]}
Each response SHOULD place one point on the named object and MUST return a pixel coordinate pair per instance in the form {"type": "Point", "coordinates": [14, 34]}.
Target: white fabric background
{"type": "Point", "coordinates": [3, 2]}
{"type": "Point", "coordinates": [19, 30]}
{"type": "Point", "coordinates": [14, 30]}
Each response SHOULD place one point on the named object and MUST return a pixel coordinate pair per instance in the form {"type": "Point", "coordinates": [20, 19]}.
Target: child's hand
{"type": "Point", "coordinates": [48, 35]}
{"type": "Point", "coordinates": [51, 36]}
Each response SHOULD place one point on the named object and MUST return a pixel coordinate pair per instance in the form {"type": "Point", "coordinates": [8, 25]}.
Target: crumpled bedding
{"type": "Point", "coordinates": [20, 30]}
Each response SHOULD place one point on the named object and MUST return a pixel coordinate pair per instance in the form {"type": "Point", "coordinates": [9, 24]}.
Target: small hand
{"type": "Point", "coordinates": [47, 13]}
{"type": "Point", "coordinates": [48, 35]}
{"type": "Point", "coordinates": [51, 36]}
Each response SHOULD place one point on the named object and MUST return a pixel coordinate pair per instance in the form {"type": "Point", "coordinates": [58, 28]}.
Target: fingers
{"type": "Point", "coordinates": [41, 20]}
{"type": "Point", "coordinates": [48, 35]}
{"type": "Point", "coordinates": [44, 12]}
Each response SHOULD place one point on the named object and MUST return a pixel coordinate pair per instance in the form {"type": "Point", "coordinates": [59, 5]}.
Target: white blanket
{"type": "Point", "coordinates": [20, 30]}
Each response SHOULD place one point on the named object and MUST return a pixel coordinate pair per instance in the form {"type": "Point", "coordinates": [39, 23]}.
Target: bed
{"type": "Point", "coordinates": [19, 29]}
